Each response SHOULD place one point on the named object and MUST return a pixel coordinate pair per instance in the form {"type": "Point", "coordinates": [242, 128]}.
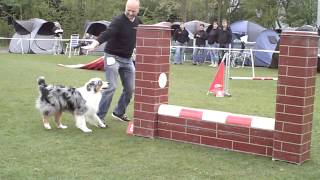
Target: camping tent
{"type": "Point", "coordinates": [36, 30]}
{"type": "Point", "coordinates": [247, 28]}
{"type": "Point", "coordinates": [193, 26]}
{"type": "Point", "coordinates": [95, 28]}
{"type": "Point", "coordinates": [267, 40]}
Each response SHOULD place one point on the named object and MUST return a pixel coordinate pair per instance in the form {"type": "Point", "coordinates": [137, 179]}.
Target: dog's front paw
{"type": "Point", "coordinates": [61, 126]}
{"type": "Point", "coordinates": [101, 125]}
{"type": "Point", "coordinates": [86, 130]}
{"type": "Point", "coordinates": [47, 126]}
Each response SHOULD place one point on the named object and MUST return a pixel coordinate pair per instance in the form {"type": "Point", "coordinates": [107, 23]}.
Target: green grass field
{"type": "Point", "coordinates": [28, 151]}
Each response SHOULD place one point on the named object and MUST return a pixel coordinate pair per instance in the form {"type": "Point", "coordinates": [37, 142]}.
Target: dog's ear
{"type": "Point", "coordinates": [89, 86]}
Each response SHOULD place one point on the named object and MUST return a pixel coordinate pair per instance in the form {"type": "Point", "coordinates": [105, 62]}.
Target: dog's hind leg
{"type": "Point", "coordinates": [45, 121]}
{"type": "Point", "coordinates": [57, 118]}
{"type": "Point", "coordinates": [81, 123]}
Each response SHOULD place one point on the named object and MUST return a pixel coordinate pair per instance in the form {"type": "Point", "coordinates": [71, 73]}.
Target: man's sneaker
{"type": "Point", "coordinates": [122, 117]}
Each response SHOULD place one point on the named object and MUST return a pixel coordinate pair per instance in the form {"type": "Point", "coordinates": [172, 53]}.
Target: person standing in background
{"type": "Point", "coordinates": [198, 54]}
{"type": "Point", "coordinates": [181, 37]}
{"type": "Point", "coordinates": [224, 37]}
{"type": "Point", "coordinates": [213, 36]}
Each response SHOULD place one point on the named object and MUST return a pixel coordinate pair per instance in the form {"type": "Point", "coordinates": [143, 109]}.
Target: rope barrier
{"type": "Point", "coordinates": [41, 39]}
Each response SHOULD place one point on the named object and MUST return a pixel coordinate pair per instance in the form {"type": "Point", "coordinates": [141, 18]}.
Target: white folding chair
{"type": "Point", "coordinates": [73, 45]}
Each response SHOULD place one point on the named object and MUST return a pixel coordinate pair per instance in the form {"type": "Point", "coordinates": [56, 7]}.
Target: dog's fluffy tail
{"type": "Point", "coordinates": [41, 81]}
{"type": "Point", "coordinates": [43, 88]}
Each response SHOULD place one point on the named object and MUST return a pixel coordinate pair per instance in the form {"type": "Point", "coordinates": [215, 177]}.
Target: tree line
{"type": "Point", "coordinates": [72, 14]}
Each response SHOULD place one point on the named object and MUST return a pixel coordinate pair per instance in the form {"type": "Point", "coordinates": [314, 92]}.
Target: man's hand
{"type": "Point", "coordinates": [91, 46]}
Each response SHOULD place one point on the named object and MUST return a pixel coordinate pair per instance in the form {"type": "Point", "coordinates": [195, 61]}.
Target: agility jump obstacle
{"type": "Point", "coordinates": [286, 138]}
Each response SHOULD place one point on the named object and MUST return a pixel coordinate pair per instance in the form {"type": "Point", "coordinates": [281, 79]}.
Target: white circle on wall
{"type": "Point", "coordinates": [162, 80]}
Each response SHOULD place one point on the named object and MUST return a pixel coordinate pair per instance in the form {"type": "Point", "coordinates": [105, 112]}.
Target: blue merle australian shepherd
{"type": "Point", "coordinates": [81, 102]}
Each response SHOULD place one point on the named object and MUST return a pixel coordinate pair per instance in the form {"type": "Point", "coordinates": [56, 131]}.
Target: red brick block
{"type": "Point", "coordinates": [299, 41]}
{"type": "Point", "coordinates": [201, 132]}
{"type": "Point", "coordinates": [165, 51]}
{"type": "Point", "coordinates": [150, 76]}
{"type": "Point", "coordinates": [250, 148]}
{"type": "Point", "coordinates": [284, 50]}
{"type": "Point", "coordinates": [147, 84]}
{"type": "Point", "coordinates": [303, 51]}
{"type": "Point", "coordinates": [164, 99]}
{"type": "Point", "coordinates": [215, 142]}
{"type": "Point", "coordinates": [186, 137]}
{"type": "Point", "coordinates": [288, 137]}
{"type": "Point", "coordinates": [261, 141]}
{"type": "Point", "coordinates": [309, 101]}
{"type": "Point", "coordinates": [148, 124]}
{"type": "Point", "coordinates": [296, 91]}
{"type": "Point", "coordinates": [156, 60]}
{"type": "Point", "coordinates": [202, 124]}
{"type": "Point", "coordinates": [170, 119]}
{"type": "Point", "coordinates": [281, 89]}
{"type": "Point", "coordinates": [280, 108]}
{"type": "Point", "coordinates": [296, 148]}
{"type": "Point", "coordinates": [139, 42]}
{"type": "Point", "coordinates": [307, 118]}
{"type": "Point", "coordinates": [312, 62]}
{"type": "Point", "coordinates": [171, 127]}
{"type": "Point", "coordinates": [292, 118]}
{"type": "Point", "coordinates": [287, 100]}
{"type": "Point", "coordinates": [278, 126]}
{"type": "Point", "coordinates": [298, 110]}
{"type": "Point", "coordinates": [305, 157]}
{"type": "Point", "coordinates": [151, 42]}
{"type": "Point", "coordinates": [136, 122]}
{"type": "Point", "coordinates": [298, 72]}
{"type": "Point", "coordinates": [310, 82]}
{"type": "Point", "coordinates": [137, 106]}
{"type": "Point", "coordinates": [139, 58]}
{"type": "Point", "coordinates": [164, 134]}
{"type": "Point", "coordinates": [261, 133]}
{"type": "Point", "coordinates": [306, 137]}
{"type": "Point", "coordinates": [286, 156]}
{"type": "Point", "coordinates": [292, 81]}
{"type": "Point", "coordinates": [149, 51]}
{"type": "Point", "coordinates": [149, 107]}
{"type": "Point", "coordinates": [163, 91]}
{"type": "Point", "coordinates": [297, 128]}
{"type": "Point", "coordinates": [145, 115]}
{"type": "Point", "coordinates": [285, 61]}
{"type": "Point", "coordinates": [147, 99]}
{"type": "Point", "coordinates": [148, 68]}
{"type": "Point", "coordinates": [269, 151]}
{"type": "Point", "coordinates": [137, 131]}
{"type": "Point", "coordinates": [277, 145]}
{"type": "Point", "coordinates": [234, 129]}
{"type": "Point", "coordinates": [313, 42]}
{"type": "Point", "coordinates": [146, 33]}
{"type": "Point", "coordinates": [233, 136]}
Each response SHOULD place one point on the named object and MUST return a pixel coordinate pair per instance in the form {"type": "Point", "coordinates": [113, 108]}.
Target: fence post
{"type": "Point", "coordinates": [295, 96]}
{"type": "Point", "coordinates": [152, 73]}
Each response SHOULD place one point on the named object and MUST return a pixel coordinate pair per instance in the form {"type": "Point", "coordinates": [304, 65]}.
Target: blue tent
{"type": "Point", "coordinates": [247, 28]}
{"type": "Point", "coordinates": [267, 40]}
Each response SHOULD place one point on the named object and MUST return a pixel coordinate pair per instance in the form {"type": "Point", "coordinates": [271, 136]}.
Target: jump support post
{"type": "Point", "coordinates": [287, 139]}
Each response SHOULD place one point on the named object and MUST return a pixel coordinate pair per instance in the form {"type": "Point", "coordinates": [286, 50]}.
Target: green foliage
{"type": "Point", "coordinates": [301, 12]}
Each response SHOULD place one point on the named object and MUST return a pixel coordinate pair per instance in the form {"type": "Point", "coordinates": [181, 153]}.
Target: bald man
{"type": "Point", "coordinates": [121, 37]}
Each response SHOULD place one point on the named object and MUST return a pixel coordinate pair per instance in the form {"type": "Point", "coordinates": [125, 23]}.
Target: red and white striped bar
{"type": "Point", "coordinates": [217, 116]}
{"type": "Point", "coordinates": [255, 78]}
